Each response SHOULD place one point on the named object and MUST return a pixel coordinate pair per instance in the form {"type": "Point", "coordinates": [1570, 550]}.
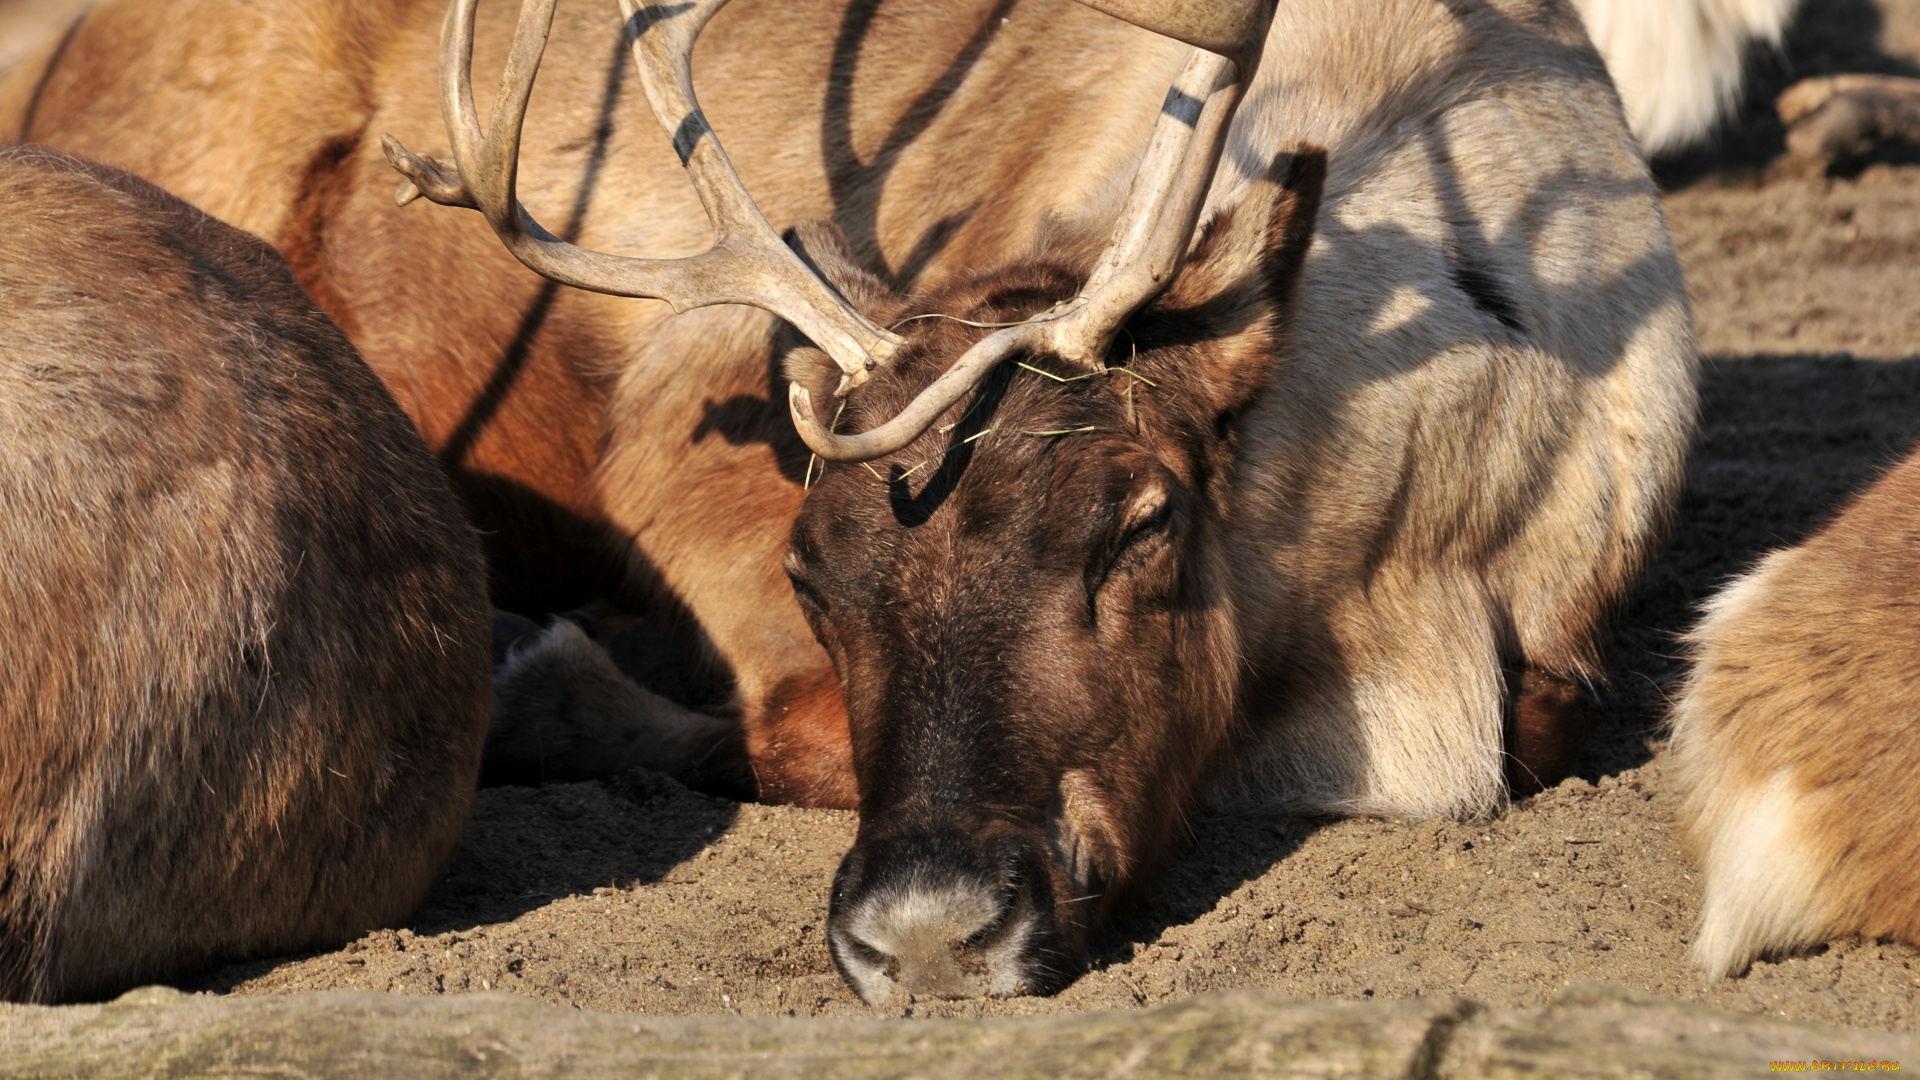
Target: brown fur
{"type": "Point", "coordinates": [1798, 739]}
{"type": "Point", "coordinates": [244, 622]}
{"type": "Point", "coordinates": [258, 114]}
{"type": "Point", "coordinates": [799, 746]}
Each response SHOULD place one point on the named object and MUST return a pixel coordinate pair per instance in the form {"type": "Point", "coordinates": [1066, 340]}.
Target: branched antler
{"type": "Point", "coordinates": [748, 264]}
{"type": "Point", "coordinates": [1149, 243]}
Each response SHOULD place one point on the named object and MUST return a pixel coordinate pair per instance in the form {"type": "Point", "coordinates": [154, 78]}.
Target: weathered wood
{"type": "Point", "coordinates": [360, 1036]}
{"type": "Point", "coordinates": [1603, 1031]}
{"type": "Point", "coordinates": [1838, 116]}
{"type": "Point", "coordinates": [1588, 1032]}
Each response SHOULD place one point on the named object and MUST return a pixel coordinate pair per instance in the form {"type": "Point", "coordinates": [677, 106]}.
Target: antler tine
{"type": "Point", "coordinates": [1163, 206]}
{"type": "Point", "coordinates": [1149, 241]}
{"type": "Point", "coordinates": [748, 263]}
{"type": "Point", "coordinates": [663, 40]}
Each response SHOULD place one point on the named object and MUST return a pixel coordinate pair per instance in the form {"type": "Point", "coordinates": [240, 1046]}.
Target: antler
{"type": "Point", "coordinates": [1149, 243]}
{"type": "Point", "coordinates": [748, 264]}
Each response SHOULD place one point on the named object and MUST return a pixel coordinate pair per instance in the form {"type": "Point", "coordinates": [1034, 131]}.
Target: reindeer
{"type": "Point", "coordinates": [244, 620]}
{"type": "Point", "coordinates": [1798, 714]}
{"type": "Point", "coordinates": [1317, 493]}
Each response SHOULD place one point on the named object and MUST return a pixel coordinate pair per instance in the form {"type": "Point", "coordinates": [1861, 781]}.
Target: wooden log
{"type": "Point", "coordinates": [1838, 116]}
{"type": "Point", "coordinates": [1588, 1032]}
{"type": "Point", "coordinates": [1602, 1031]}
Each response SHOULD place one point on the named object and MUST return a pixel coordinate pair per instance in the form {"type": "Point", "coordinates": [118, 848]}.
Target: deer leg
{"type": "Point", "coordinates": [509, 630]}
{"type": "Point", "coordinates": [563, 711]}
{"type": "Point", "coordinates": [1548, 720]}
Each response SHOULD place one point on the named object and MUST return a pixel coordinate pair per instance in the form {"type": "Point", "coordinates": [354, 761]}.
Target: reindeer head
{"type": "Point", "coordinates": [1028, 604]}
{"type": "Point", "coordinates": [1012, 550]}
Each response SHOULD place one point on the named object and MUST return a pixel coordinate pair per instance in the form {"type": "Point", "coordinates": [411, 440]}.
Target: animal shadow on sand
{"type": "Point", "coordinates": [1226, 847]}
{"type": "Point", "coordinates": [526, 847]}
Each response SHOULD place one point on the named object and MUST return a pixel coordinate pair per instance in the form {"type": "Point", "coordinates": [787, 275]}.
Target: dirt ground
{"type": "Point", "coordinates": [638, 895]}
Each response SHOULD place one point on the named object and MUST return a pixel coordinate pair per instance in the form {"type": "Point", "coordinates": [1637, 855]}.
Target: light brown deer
{"type": "Point", "coordinates": [245, 624]}
{"type": "Point", "coordinates": [1797, 740]}
{"type": "Point", "coordinates": [1353, 541]}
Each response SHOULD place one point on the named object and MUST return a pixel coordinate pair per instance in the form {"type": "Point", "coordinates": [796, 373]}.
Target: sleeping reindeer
{"type": "Point", "coordinates": [245, 622]}
{"type": "Point", "coordinates": [1797, 740]}
{"type": "Point", "coordinates": [1314, 455]}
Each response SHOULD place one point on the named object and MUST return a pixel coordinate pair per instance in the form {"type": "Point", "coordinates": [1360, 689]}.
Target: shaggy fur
{"type": "Point", "coordinates": [245, 625]}
{"type": "Point", "coordinates": [1412, 530]}
{"type": "Point", "coordinates": [1797, 740]}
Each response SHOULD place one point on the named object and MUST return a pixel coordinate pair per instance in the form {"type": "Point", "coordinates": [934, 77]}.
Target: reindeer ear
{"type": "Point", "coordinates": [823, 247]}
{"type": "Point", "coordinates": [1215, 330]}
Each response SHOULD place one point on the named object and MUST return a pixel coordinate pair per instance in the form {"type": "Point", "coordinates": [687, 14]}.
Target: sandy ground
{"type": "Point", "coordinates": [639, 895]}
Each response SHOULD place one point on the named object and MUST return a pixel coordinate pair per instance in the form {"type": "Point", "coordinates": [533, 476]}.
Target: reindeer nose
{"type": "Point", "coordinates": [918, 940]}
{"type": "Point", "coordinates": [906, 921]}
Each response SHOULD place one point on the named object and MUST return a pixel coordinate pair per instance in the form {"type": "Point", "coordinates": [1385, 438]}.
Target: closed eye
{"type": "Point", "coordinates": [1149, 529]}
{"type": "Point", "coordinates": [810, 600]}
{"type": "Point", "coordinates": [1152, 527]}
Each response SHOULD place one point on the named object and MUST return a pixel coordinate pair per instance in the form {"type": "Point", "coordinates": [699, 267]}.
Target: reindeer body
{"type": "Point", "coordinates": [1799, 714]}
{"type": "Point", "coordinates": [244, 620]}
{"type": "Point", "coordinates": [1457, 456]}
{"type": "Point", "coordinates": [1478, 428]}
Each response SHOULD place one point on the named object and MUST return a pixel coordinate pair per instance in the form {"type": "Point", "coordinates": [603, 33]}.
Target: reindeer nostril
{"type": "Point", "coordinates": [884, 962]}
{"type": "Point", "coordinates": [992, 929]}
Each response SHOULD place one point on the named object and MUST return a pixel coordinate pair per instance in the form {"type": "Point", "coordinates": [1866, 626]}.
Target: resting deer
{"type": "Point", "coordinates": [245, 622]}
{"type": "Point", "coordinates": [1795, 740]}
{"type": "Point", "coordinates": [1323, 470]}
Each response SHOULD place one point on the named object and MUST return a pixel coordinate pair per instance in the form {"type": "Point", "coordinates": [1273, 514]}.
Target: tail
{"type": "Point", "coordinates": [1796, 741]}
{"type": "Point", "coordinates": [1678, 63]}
